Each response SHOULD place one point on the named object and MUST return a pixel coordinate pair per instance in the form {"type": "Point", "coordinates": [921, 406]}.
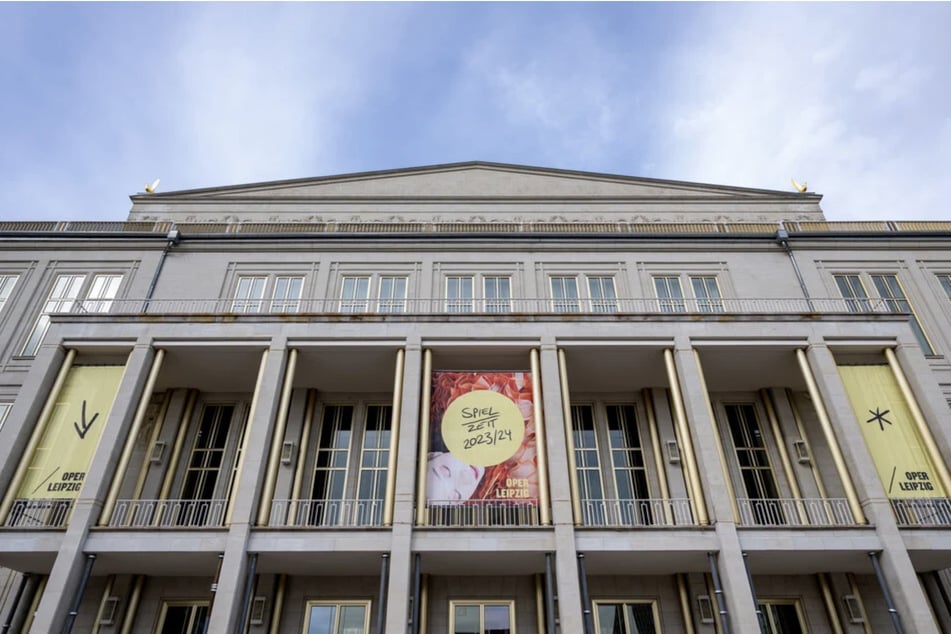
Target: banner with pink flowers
{"type": "Point", "coordinates": [482, 439]}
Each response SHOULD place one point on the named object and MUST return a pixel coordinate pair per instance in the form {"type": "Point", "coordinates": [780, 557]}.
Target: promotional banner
{"type": "Point", "coordinates": [62, 457]}
{"type": "Point", "coordinates": [482, 438]}
{"type": "Point", "coordinates": [880, 408]}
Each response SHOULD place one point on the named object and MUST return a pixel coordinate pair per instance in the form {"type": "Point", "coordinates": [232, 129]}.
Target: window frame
{"type": "Point", "coordinates": [5, 407]}
{"type": "Point", "coordinates": [373, 300]}
{"type": "Point", "coordinates": [584, 300]}
{"type": "Point", "coordinates": [655, 612]}
{"type": "Point", "coordinates": [477, 300]}
{"type": "Point", "coordinates": [353, 470]}
{"type": "Point", "coordinates": [367, 604]}
{"type": "Point", "coordinates": [8, 284]}
{"type": "Point", "coordinates": [80, 303]}
{"type": "Point", "coordinates": [767, 603]}
{"type": "Point", "coordinates": [179, 603]}
{"type": "Point", "coordinates": [482, 603]}
{"type": "Point", "coordinates": [608, 468]}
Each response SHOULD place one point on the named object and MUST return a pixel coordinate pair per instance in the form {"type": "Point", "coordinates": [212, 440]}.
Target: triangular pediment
{"type": "Point", "coordinates": [472, 180]}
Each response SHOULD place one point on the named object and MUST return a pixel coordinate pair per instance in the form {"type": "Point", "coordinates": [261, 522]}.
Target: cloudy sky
{"type": "Point", "coordinates": [98, 99]}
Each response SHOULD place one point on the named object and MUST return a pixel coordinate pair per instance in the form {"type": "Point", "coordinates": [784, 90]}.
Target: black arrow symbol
{"type": "Point", "coordinates": [83, 429]}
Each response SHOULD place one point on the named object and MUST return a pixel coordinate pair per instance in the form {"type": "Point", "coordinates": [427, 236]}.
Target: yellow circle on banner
{"type": "Point", "coordinates": [483, 428]}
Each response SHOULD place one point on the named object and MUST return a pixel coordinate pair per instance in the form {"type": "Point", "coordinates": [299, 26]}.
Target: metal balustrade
{"type": "Point", "coordinates": [481, 514]}
{"type": "Point", "coordinates": [491, 307]}
{"type": "Point", "coordinates": [169, 513]}
{"type": "Point", "coordinates": [326, 513]}
{"type": "Point", "coordinates": [793, 512]}
{"type": "Point", "coordinates": [39, 513]}
{"type": "Point", "coordinates": [637, 513]}
{"type": "Point", "coordinates": [922, 511]}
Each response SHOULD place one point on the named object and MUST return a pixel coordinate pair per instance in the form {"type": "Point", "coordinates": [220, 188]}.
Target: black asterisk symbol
{"type": "Point", "coordinates": [878, 416]}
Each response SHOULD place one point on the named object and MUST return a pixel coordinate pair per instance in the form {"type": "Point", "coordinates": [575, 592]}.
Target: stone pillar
{"type": "Point", "coordinates": [740, 605]}
{"type": "Point", "coordinates": [910, 599]}
{"type": "Point", "coordinates": [231, 581]}
{"type": "Point", "coordinates": [566, 565]}
{"type": "Point", "coordinates": [67, 569]}
{"type": "Point", "coordinates": [401, 555]}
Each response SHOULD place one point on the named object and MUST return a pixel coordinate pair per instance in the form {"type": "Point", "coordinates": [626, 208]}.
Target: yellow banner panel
{"type": "Point", "coordinates": [65, 451]}
{"type": "Point", "coordinates": [881, 411]}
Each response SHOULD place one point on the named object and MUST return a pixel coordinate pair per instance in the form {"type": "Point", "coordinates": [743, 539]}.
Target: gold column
{"type": "Point", "coordinates": [302, 457]}
{"type": "Point", "coordinates": [233, 489]}
{"type": "Point", "coordinates": [697, 502]}
{"type": "Point", "coordinates": [784, 454]}
{"type": "Point", "coordinates": [541, 447]}
{"type": "Point", "coordinates": [278, 605]}
{"type": "Point", "coordinates": [539, 605]}
{"type": "Point", "coordinates": [830, 438]}
{"type": "Point", "coordinates": [829, 599]}
{"type": "Point", "coordinates": [422, 458]}
{"type": "Point", "coordinates": [109, 505]}
{"type": "Point", "coordinates": [854, 591]}
{"type": "Point", "coordinates": [658, 456]}
{"type": "Point", "coordinates": [35, 436]}
{"type": "Point", "coordinates": [424, 606]}
{"type": "Point", "coordinates": [716, 436]}
{"type": "Point", "coordinates": [270, 477]}
{"type": "Point", "coordinates": [923, 430]}
{"type": "Point", "coordinates": [801, 426]}
{"type": "Point", "coordinates": [107, 591]}
{"type": "Point", "coordinates": [153, 438]}
{"type": "Point", "coordinates": [685, 611]}
{"type": "Point", "coordinates": [128, 620]}
{"type": "Point", "coordinates": [178, 446]}
{"type": "Point", "coordinates": [569, 437]}
{"type": "Point", "coordinates": [390, 499]}
{"type": "Point", "coordinates": [35, 604]}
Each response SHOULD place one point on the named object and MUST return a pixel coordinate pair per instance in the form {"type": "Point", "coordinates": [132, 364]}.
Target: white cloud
{"type": "Point", "coordinates": [817, 94]}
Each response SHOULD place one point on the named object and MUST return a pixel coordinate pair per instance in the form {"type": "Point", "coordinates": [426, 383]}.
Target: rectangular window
{"type": "Point", "coordinates": [945, 281]}
{"type": "Point", "coordinates": [781, 617]}
{"type": "Point", "coordinates": [330, 466]}
{"type": "Point", "coordinates": [707, 292]}
{"type": "Point", "coordinates": [183, 617]}
{"type": "Point", "coordinates": [853, 292]}
{"type": "Point", "coordinates": [355, 294]}
{"type": "Point", "coordinates": [7, 282]}
{"type": "Point", "coordinates": [374, 460]}
{"type": "Point", "coordinates": [498, 293]}
{"type": "Point", "coordinates": [752, 459]}
{"type": "Point", "coordinates": [249, 295]}
{"type": "Point", "coordinates": [342, 617]}
{"type": "Point", "coordinates": [208, 452]}
{"type": "Point", "coordinates": [670, 294]}
{"type": "Point", "coordinates": [287, 294]}
{"type": "Point", "coordinates": [628, 617]}
{"type": "Point", "coordinates": [4, 410]}
{"type": "Point", "coordinates": [893, 295]}
{"type": "Point", "coordinates": [65, 296]}
{"type": "Point", "coordinates": [630, 468]}
{"type": "Point", "coordinates": [482, 617]}
{"type": "Point", "coordinates": [564, 293]}
{"type": "Point", "coordinates": [251, 292]}
{"type": "Point", "coordinates": [588, 465]}
{"type": "Point", "coordinates": [392, 294]}
{"type": "Point", "coordinates": [601, 292]}
{"type": "Point", "coordinates": [459, 294]}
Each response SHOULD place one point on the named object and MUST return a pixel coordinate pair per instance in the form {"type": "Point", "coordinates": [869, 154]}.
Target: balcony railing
{"type": "Point", "coordinates": [326, 513]}
{"type": "Point", "coordinates": [168, 514]}
{"type": "Point", "coordinates": [792, 512]}
{"type": "Point", "coordinates": [922, 511]}
{"type": "Point", "coordinates": [637, 513]}
{"type": "Point", "coordinates": [481, 514]}
{"type": "Point", "coordinates": [39, 513]}
{"type": "Point", "coordinates": [520, 305]}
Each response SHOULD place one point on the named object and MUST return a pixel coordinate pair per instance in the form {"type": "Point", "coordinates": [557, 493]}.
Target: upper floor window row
{"type": "Point", "coordinates": [268, 293]}
{"type": "Point", "coordinates": [7, 282]}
